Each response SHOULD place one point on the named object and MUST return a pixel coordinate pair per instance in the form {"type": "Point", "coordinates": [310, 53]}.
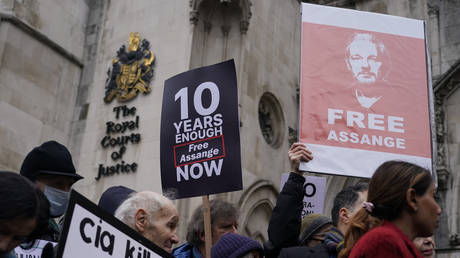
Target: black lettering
{"type": "Point", "coordinates": [100, 172]}
{"type": "Point", "coordinates": [134, 167]}
{"type": "Point", "coordinates": [117, 111]}
{"type": "Point", "coordinates": [98, 235]}
{"type": "Point", "coordinates": [118, 128]}
{"type": "Point", "coordinates": [137, 138]}
{"type": "Point", "coordinates": [313, 189]}
{"type": "Point", "coordinates": [129, 250]}
{"type": "Point", "coordinates": [107, 248]}
{"type": "Point", "coordinates": [82, 229]}
{"type": "Point", "coordinates": [105, 141]}
{"type": "Point", "coordinates": [115, 155]}
{"type": "Point", "coordinates": [132, 111]}
{"type": "Point", "coordinates": [109, 126]}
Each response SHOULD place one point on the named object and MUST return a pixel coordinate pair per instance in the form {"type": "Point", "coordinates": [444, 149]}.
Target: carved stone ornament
{"type": "Point", "coordinates": [245, 6]}
{"type": "Point", "coordinates": [442, 90]}
{"type": "Point", "coordinates": [132, 70]}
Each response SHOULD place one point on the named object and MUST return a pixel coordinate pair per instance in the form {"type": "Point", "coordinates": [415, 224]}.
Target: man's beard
{"type": "Point", "coordinates": [365, 101]}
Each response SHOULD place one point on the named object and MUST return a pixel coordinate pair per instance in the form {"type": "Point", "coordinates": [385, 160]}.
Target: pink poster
{"type": "Point", "coordinates": [364, 95]}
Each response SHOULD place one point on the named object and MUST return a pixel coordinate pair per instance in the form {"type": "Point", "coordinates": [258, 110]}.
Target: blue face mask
{"type": "Point", "coordinates": [58, 201]}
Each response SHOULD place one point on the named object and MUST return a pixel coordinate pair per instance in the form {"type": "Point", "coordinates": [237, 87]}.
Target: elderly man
{"type": "Point", "coordinates": [152, 215]}
{"type": "Point", "coordinates": [368, 61]}
{"type": "Point", "coordinates": [224, 217]}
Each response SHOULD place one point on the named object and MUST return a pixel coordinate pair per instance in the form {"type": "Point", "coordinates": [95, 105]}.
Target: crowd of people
{"type": "Point", "coordinates": [392, 215]}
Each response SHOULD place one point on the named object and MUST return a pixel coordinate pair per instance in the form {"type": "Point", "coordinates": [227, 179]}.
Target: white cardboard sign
{"type": "Point", "coordinates": [91, 232]}
{"type": "Point", "coordinates": [315, 192]}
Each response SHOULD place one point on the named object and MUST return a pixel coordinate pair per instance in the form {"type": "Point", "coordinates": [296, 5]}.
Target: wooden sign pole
{"type": "Point", "coordinates": [207, 225]}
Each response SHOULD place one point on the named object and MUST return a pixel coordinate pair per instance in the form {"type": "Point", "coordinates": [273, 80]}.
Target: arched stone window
{"type": "Point", "coordinates": [256, 205]}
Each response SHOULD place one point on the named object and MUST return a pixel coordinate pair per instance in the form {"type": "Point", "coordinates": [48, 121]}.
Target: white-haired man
{"type": "Point", "coordinates": [152, 215]}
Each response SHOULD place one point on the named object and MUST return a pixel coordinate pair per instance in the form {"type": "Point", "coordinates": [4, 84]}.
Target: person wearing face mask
{"type": "Point", "coordinates": [51, 168]}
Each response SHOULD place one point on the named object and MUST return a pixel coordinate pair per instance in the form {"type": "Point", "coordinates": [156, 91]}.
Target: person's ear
{"type": "Point", "coordinates": [344, 215]}
{"type": "Point", "coordinates": [411, 199]}
{"type": "Point", "coordinates": [141, 220]}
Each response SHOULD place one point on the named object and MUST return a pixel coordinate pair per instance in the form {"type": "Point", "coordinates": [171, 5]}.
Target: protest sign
{"type": "Point", "coordinates": [200, 141]}
{"type": "Point", "coordinates": [364, 91]}
{"type": "Point", "coordinates": [89, 231]}
{"type": "Point", "coordinates": [315, 192]}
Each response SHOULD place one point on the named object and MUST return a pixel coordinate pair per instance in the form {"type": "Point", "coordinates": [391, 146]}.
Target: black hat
{"type": "Point", "coordinates": [113, 197]}
{"type": "Point", "coordinates": [50, 158]}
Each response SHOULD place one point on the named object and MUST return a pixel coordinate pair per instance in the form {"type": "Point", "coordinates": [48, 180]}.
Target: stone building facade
{"type": "Point", "coordinates": [55, 54]}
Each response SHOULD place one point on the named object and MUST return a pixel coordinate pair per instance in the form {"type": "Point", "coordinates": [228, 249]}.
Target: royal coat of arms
{"type": "Point", "coordinates": [131, 70]}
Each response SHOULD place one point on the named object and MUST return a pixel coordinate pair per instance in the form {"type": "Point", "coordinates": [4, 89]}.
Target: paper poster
{"type": "Point", "coordinates": [364, 94]}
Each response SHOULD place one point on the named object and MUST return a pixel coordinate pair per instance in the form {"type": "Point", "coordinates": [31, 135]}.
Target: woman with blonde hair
{"type": "Point", "coordinates": [400, 207]}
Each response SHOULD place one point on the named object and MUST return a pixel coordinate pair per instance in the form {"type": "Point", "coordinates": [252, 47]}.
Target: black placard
{"type": "Point", "coordinates": [200, 140]}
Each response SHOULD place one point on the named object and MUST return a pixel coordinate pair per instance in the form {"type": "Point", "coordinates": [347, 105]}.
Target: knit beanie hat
{"type": "Point", "coordinates": [233, 245]}
{"type": "Point", "coordinates": [310, 224]}
{"type": "Point", "coordinates": [112, 198]}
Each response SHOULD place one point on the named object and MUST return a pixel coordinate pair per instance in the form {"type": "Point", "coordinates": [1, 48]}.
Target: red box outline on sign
{"type": "Point", "coordinates": [180, 145]}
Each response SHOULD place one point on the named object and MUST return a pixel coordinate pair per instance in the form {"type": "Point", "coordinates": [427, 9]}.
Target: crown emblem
{"type": "Point", "coordinates": [131, 72]}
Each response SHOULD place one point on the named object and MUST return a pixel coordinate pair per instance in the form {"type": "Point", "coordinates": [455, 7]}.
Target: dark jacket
{"type": "Point", "coordinates": [304, 252]}
{"type": "Point", "coordinates": [285, 222]}
{"type": "Point", "coordinates": [330, 247]}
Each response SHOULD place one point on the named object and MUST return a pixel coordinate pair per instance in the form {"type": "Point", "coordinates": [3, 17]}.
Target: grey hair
{"type": "Point", "coordinates": [219, 210]}
{"type": "Point", "coordinates": [151, 202]}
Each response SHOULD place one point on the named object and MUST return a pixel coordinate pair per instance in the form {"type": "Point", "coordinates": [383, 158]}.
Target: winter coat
{"type": "Point", "coordinates": [385, 241]}
{"type": "Point", "coordinates": [285, 222]}
{"type": "Point", "coordinates": [318, 251]}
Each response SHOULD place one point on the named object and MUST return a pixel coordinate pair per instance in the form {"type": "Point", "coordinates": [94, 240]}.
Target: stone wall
{"type": "Point", "coordinates": [40, 52]}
